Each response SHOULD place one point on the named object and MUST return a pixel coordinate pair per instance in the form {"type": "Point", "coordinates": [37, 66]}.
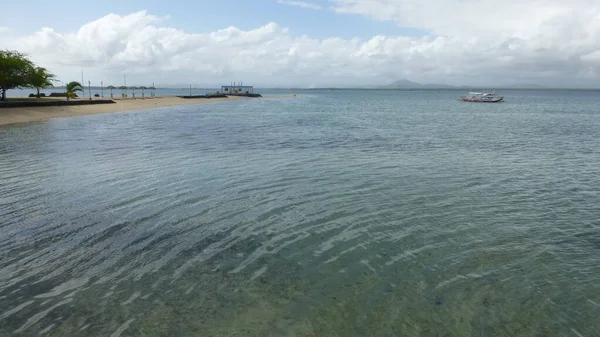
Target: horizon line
{"type": "Point", "coordinates": [358, 88]}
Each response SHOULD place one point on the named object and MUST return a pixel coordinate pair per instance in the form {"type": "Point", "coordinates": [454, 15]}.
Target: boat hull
{"type": "Point", "coordinates": [475, 100]}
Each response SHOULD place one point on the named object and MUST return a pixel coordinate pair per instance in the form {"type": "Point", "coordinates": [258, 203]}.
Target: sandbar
{"type": "Point", "coordinates": [36, 114]}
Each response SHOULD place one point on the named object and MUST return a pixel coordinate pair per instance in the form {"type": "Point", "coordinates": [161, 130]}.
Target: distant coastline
{"type": "Point", "coordinates": [278, 91]}
{"type": "Point", "coordinates": [462, 89]}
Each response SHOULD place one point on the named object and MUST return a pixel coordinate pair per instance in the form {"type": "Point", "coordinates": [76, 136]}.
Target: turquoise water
{"type": "Point", "coordinates": [336, 213]}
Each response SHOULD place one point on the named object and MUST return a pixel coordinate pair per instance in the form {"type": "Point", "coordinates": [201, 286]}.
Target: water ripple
{"type": "Point", "coordinates": [370, 215]}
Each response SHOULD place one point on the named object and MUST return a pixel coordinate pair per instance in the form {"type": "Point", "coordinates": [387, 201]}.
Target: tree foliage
{"type": "Point", "coordinates": [15, 68]}
{"type": "Point", "coordinates": [40, 78]}
{"type": "Point", "coordinates": [17, 71]}
{"type": "Point", "coordinates": [72, 88]}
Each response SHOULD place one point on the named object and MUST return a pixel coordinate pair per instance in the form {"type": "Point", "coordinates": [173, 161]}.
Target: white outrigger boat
{"type": "Point", "coordinates": [482, 97]}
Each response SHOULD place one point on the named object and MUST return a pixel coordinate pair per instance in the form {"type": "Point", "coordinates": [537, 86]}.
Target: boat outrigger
{"type": "Point", "coordinates": [482, 97]}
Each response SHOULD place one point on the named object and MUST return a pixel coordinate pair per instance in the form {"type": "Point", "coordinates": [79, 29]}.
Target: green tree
{"type": "Point", "coordinates": [14, 71]}
{"type": "Point", "coordinates": [72, 88]}
{"type": "Point", "coordinates": [40, 78]}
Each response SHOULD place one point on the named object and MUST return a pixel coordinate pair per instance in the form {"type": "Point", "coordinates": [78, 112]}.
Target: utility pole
{"type": "Point", "coordinates": [90, 89]}
{"type": "Point", "coordinates": [82, 83]}
{"type": "Point", "coordinates": [190, 90]}
{"type": "Point", "coordinates": [102, 88]}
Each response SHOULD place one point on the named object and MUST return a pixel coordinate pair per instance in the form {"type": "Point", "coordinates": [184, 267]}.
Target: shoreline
{"type": "Point", "coordinates": [19, 115]}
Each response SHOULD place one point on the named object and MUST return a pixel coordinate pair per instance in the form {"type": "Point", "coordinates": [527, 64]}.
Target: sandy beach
{"type": "Point", "coordinates": [36, 114]}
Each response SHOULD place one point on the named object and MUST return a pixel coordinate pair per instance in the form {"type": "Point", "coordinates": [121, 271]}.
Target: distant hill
{"type": "Point", "coordinates": [402, 84]}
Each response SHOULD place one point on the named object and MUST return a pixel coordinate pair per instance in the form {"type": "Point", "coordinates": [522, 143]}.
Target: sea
{"type": "Point", "coordinates": [333, 213]}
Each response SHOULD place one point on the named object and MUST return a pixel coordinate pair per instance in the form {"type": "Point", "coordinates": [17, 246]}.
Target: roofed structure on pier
{"type": "Point", "coordinates": [237, 89]}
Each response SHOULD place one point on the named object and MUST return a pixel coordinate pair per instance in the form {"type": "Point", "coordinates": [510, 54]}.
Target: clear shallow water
{"type": "Point", "coordinates": [338, 213]}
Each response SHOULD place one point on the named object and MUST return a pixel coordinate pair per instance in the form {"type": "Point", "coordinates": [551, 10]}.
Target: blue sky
{"type": "Point", "coordinates": [200, 16]}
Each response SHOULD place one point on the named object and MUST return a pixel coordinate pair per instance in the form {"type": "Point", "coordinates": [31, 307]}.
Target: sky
{"type": "Point", "coordinates": [312, 43]}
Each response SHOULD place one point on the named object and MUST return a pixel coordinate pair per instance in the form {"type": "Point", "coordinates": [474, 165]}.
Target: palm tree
{"type": "Point", "coordinates": [72, 88]}
{"type": "Point", "coordinates": [40, 78]}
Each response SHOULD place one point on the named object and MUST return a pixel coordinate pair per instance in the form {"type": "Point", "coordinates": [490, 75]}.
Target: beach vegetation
{"type": "Point", "coordinates": [72, 88]}
{"type": "Point", "coordinates": [40, 78]}
{"type": "Point", "coordinates": [15, 69]}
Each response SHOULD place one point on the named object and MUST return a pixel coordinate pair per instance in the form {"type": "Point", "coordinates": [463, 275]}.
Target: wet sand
{"type": "Point", "coordinates": [36, 114]}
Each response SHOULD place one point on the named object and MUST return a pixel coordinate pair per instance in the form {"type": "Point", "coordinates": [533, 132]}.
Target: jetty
{"type": "Point", "coordinates": [30, 103]}
{"type": "Point", "coordinates": [235, 89]}
{"type": "Point", "coordinates": [204, 96]}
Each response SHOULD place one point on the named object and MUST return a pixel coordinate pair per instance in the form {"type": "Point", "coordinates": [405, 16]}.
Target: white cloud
{"type": "Point", "coordinates": [489, 18]}
{"type": "Point", "coordinates": [302, 4]}
{"type": "Point", "coordinates": [4, 29]}
{"type": "Point", "coordinates": [492, 45]}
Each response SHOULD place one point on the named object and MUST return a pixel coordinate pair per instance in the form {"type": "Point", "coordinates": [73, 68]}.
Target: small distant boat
{"type": "Point", "coordinates": [482, 97]}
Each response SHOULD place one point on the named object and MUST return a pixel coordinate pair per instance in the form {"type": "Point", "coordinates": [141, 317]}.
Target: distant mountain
{"type": "Point", "coordinates": [403, 84]}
